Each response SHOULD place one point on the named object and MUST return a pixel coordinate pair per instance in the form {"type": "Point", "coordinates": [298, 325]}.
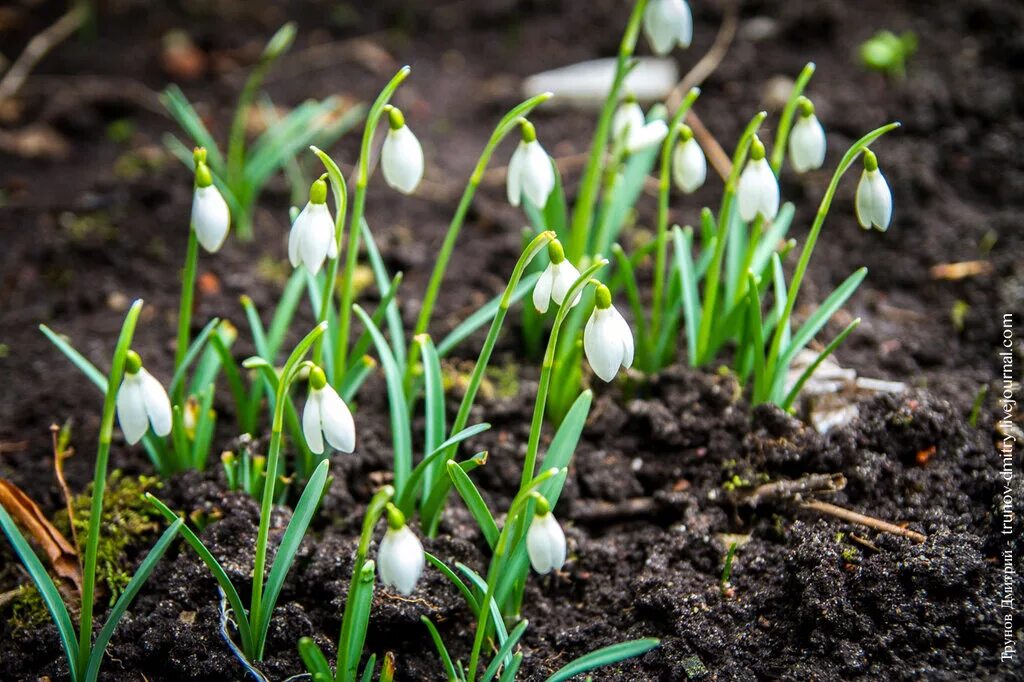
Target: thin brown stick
{"type": "Point", "coordinates": [862, 520]}
{"type": "Point", "coordinates": [785, 488]}
{"type": "Point", "coordinates": [37, 48]}
{"type": "Point", "coordinates": [710, 61]}
{"type": "Point", "coordinates": [720, 161]}
{"type": "Point", "coordinates": [59, 455]}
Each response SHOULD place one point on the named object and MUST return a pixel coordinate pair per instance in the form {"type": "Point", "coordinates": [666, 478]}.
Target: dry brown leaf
{"type": "Point", "coordinates": [61, 553]}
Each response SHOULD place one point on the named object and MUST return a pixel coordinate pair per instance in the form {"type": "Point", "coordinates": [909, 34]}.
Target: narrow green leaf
{"type": "Point", "coordinates": [419, 472]}
{"type": "Point", "coordinates": [510, 672]}
{"type": "Point", "coordinates": [442, 650]}
{"type": "Point", "coordinates": [205, 422]}
{"type": "Point", "coordinates": [604, 656]}
{"type": "Point", "coordinates": [484, 314]}
{"type": "Point", "coordinates": [500, 631]}
{"type": "Point", "coordinates": [259, 336]}
{"type": "Point", "coordinates": [285, 312]}
{"type": "Point", "coordinates": [371, 667]}
{"type": "Point", "coordinates": [433, 402]}
{"type": "Point", "coordinates": [477, 507]}
{"type": "Point", "coordinates": [563, 445]}
{"type": "Point", "coordinates": [503, 652]}
{"type": "Point", "coordinates": [313, 657]}
{"type": "Point", "coordinates": [467, 594]}
{"type": "Point", "coordinates": [683, 242]}
{"type": "Point", "coordinates": [402, 438]}
{"type": "Point", "coordinates": [810, 369]}
{"type": "Point", "coordinates": [181, 110]}
{"type": "Point", "coordinates": [362, 596]}
{"type": "Point", "coordinates": [191, 354]}
{"type": "Point", "coordinates": [392, 314]}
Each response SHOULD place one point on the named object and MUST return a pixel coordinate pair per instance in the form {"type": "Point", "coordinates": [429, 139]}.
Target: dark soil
{"type": "Point", "coordinates": [650, 495]}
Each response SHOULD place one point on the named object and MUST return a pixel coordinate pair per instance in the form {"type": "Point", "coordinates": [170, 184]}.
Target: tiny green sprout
{"type": "Point", "coordinates": [979, 401]}
{"type": "Point", "coordinates": [888, 53]}
{"type": "Point", "coordinates": [727, 567]}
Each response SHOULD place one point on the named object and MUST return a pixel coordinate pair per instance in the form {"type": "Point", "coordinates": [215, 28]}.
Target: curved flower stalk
{"type": "Point", "coordinates": [400, 558]}
{"type": "Point", "coordinates": [807, 139]}
{"type": "Point", "coordinates": [607, 339]}
{"type": "Point", "coordinates": [326, 416]}
{"type": "Point", "coordinates": [545, 540]}
{"type": "Point", "coordinates": [668, 23]}
{"type": "Point", "coordinates": [141, 402]}
{"type": "Point", "coordinates": [689, 165]}
{"type": "Point", "coordinates": [758, 190]}
{"type": "Point", "coordinates": [530, 173]}
{"type": "Point", "coordinates": [401, 158]}
{"type": "Point", "coordinates": [631, 129]}
{"type": "Point", "coordinates": [311, 240]}
{"type": "Point", "coordinates": [556, 279]}
{"type": "Point", "coordinates": [874, 198]}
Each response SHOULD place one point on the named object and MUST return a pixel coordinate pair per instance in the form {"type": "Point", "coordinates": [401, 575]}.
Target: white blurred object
{"type": "Point", "coordinates": [585, 85]}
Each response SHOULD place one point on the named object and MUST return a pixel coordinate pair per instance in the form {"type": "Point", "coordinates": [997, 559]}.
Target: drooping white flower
{"type": "Point", "coordinates": [529, 171]}
{"type": "Point", "coordinates": [400, 558]}
{"type": "Point", "coordinates": [758, 191]}
{"type": "Point", "coordinates": [874, 198]}
{"type": "Point", "coordinates": [668, 23]}
{"type": "Point", "coordinates": [555, 281]}
{"type": "Point", "coordinates": [545, 541]}
{"type": "Point", "coordinates": [689, 166]}
{"type": "Point", "coordinates": [807, 140]}
{"type": "Point", "coordinates": [326, 416]}
{"type": "Point", "coordinates": [607, 339]}
{"type": "Point", "coordinates": [311, 240]}
{"type": "Point", "coordinates": [401, 159]}
{"type": "Point", "coordinates": [210, 215]}
{"type": "Point", "coordinates": [141, 402]}
{"type": "Point", "coordinates": [630, 126]}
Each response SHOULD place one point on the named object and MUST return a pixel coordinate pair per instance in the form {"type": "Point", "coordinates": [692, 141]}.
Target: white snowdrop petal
{"type": "Point", "coordinates": [131, 409]}
{"type": "Point", "coordinates": [336, 420]}
{"type": "Point", "coordinates": [402, 160]}
{"type": "Point", "coordinates": [658, 29]}
{"type": "Point", "coordinates": [628, 119]}
{"type": "Point", "coordinates": [770, 196]}
{"type": "Point", "coordinates": [157, 404]}
{"type": "Point", "coordinates": [647, 136]}
{"type": "Point", "coordinates": [807, 144]}
{"type": "Point", "coordinates": [514, 179]}
{"type": "Point", "coordinates": [295, 236]}
{"type": "Point", "coordinates": [400, 559]}
{"type": "Point", "coordinates": [542, 289]}
{"type": "Point", "coordinates": [311, 428]}
{"type": "Point", "coordinates": [538, 175]}
{"type": "Point", "coordinates": [210, 217]}
{"type": "Point", "coordinates": [545, 544]}
{"type": "Point", "coordinates": [874, 201]}
{"type": "Point", "coordinates": [602, 345]}
{"type": "Point", "coordinates": [689, 166]}
{"type": "Point", "coordinates": [758, 191]}
{"type": "Point", "coordinates": [684, 26]}
{"type": "Point", "coordinates": [626, 337]}
{"type": "Point", "coordinates": [315, 240]}
{"type": "Point", "coordinates": [566, 275]}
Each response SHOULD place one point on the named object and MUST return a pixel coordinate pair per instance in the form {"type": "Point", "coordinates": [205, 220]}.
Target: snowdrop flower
{"type": "Point", "coordinates": [326, 416]}
{"type": "Point", "coordinates": [758, 191]}
{"type": "Point", "coordinates": [545, 541]}
{"type": "Point", "coordinates": [607, 338]}
{"type": "Point", "coordinates": [555, 281]}
{"type": "Point", "coordinates": [807, 139]}
{"type": "Point", "coordinates": [312, 237]}
{"type": "Point", "coordinates": [401, 159]}
{"type": "Point", "coordinates": [400, 557]}
{"type": "Point", "coordinates": [668, 23]}
{"type": "Point", "coordinates": [689, 167]}
{"type": "Point", "coordinates": [630, 126]}
{"type": "Point", "coordinates": [874, 198]}
{"type": "Point", "coordinates": [529, 171]}
{"type": "Point", "coordinates": [141, 402]}
{"type": "Point", "coordinates": [210, 215]}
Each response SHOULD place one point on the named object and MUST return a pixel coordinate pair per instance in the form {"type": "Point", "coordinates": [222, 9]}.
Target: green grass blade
{"type": "Point", "coordinates": [357, 374]}
{"type": "Point", "coordinates": [779, 282]}
{"type": "Point", "coordinates": [485, 314]}
{"type": "Point", "coordinates": [259, 335]}
{"type": "Point", "coordinates": [77, 359]}
{"type": "Point", "coordinates": [771, 238]}
{"type": "Point", "coordinates": [418, 474]}
{"type": "Point", "coordinates": [563, 445]}
{"type": "Point", "coordinates": [216, 570]}
{"type": "Point", "coordinates": [290, 542]}
{"type": "Point", "coordinates": [477, 507]}
{"type": "Point", "coordinates": [454, 579]}
{"type": "Point", "coordinates": [503, 653]}
{"type": "Point", "coordinates": [191, 354]}
{"type": "Point", "coordinates": [442, 650]}
{"type": "Point", "coordinates": [787, 403]}
{"type": "Point", "coordinates": [127, 595]}
{"type": "Point", "coordinates": [285, 312]}
{"type": "Point", "coordinates": [47, 590]}
{"type": "Point", "coordinates": [510, 672]}
{"type": "Point", "coordinates": [371, 667]}
{"type": "Point", "coordinates": [683, 242]}
{"type": "Point", "coordinates": [604, 656]}
{"type": "Point", "coordinates": [402, 438]}
{"type": "Point", "coordinates": [205, 423]}
{"type": "Point", "coordinates": [433, 402]}
{"type": "Point", "coordinates": [391, 312]}
{"type": "Point", "coordinates": [313, 657]}
{"type": "Point", "coordinates": [500, 631]}
{"type": "Point", "coordinates": [181, 110]}
{"type": "Point", "coordinates": [756, 337]}
{"type": "Point", "coordinates": [362, 597]}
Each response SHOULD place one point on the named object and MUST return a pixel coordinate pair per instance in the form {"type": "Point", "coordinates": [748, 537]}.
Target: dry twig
{"type": "Point", "coordinates": [37, 48]}
{"type": "Point", "coordinates": [862, 520]}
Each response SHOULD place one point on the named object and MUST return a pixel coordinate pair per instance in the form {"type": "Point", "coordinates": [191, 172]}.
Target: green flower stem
{"type": "Point", "coordinates": [539, 243]}
{"type": "Point", "coordinates": [508, 123]}
{"type": "Point", "coordinates": [756, 231]}
{"type": "Point", "coordinates": [583, 211]}
{"type": "Point", "coordinates": [544, 386]}
{"type": "Point", "coordinates": [664, 185]}
{"type": "Point", "coordinates": [99, 482]}
{"type": "Point", "coordinates": [188, 286]}
{"type": "Point", "coordinates": [378, 504]}
{"type": "Point", "coordinates": [518, 505]}
{"type": "Point", "coordinates": [805, 255]}
{"type": "Point", "coordinates": [288, 375]}
{"type": "Point", "coordinates": [786, 119]}
{"type": "Point", "coordinates": [352, 255]}
{"type": "Point", "coordinates": [714, 274]}
{"type": "Point", "coordinates": [612, 170]}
